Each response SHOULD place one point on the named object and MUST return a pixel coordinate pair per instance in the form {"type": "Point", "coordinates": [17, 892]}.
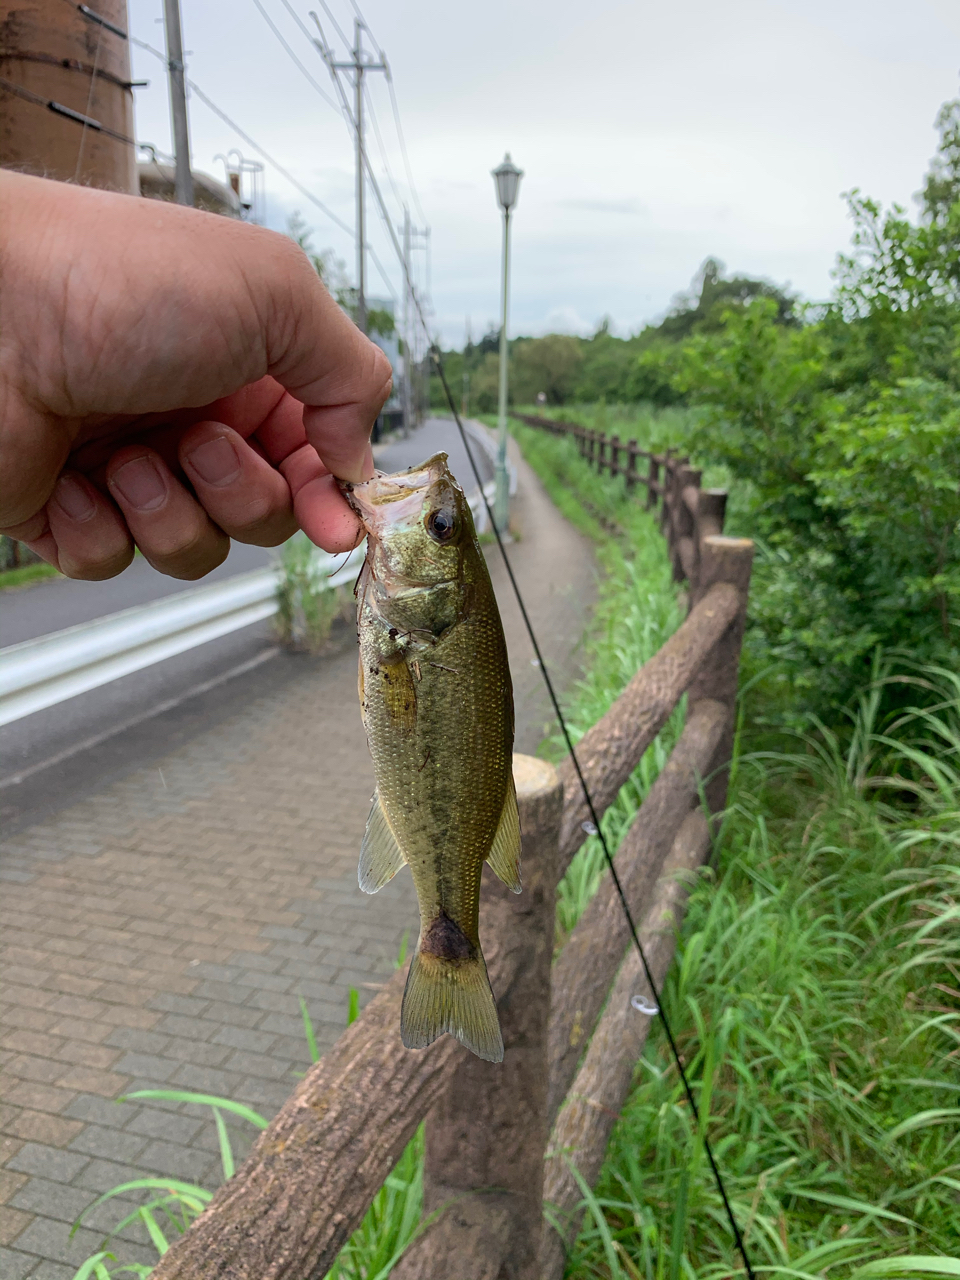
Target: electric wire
{"type": "Point", "coordinates": [232, 124]}
{"type": "Point", "coordinates": [403, 144]}
{"type": "Point", "coordinates": [324, 95]}
{"type": "Point", "coordinates": [283, 40]}
{"type": "Point", "coordinates": [333, 22]}
{"type": "Point", "coordinates": [380, 147]}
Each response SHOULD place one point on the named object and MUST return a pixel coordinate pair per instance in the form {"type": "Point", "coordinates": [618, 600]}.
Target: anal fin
{"type": "Point", "coordinates": [380, 855]}
{"type": "Point", "coordinates": [504, 855]}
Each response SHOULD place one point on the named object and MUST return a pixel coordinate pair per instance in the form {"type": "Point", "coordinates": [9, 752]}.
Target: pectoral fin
{"type": "Point", "coordinates": [504, 855]}
{"type": "Point", "coordinates": [380, 855]}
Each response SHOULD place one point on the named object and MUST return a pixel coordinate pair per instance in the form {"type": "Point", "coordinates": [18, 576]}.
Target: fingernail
{"type": "Point", "coordinates": [215, 460]}
{"type": "Point", "coordinates": [73, 499]}
{"type": "Point", "coordinates": [140, 484]}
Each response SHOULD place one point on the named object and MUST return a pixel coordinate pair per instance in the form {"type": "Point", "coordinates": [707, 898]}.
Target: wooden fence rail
{"type": "Point", "coordinates": [501, 1138]}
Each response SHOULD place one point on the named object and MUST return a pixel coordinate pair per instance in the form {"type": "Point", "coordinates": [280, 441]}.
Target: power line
{"type": "Point", "coordinates": [60, 110]}
{"type": "Point", "coordinates": [382, 149]}
{"type": "Point", "coordinates": [365, 159]}
{"type": "Point", "coordinates": [269, 159]}
{"type": "Point", "coordinates": [403, 145]}
{"type": "Point", "coordinates": [232, 124]}
{"type": "Point", "coordinates": [336, 25]}
{"type": "Point", "coordinates": [280, 36]}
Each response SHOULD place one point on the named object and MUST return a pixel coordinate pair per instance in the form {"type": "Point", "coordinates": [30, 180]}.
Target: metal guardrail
{"type": "Point", "coordinates": [42, 672]}
{"type": "Point", "coordinates": [39, 673]}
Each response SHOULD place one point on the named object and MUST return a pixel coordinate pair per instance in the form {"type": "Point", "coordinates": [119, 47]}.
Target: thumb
{"type": "Point", "coordinates": [318, 354]}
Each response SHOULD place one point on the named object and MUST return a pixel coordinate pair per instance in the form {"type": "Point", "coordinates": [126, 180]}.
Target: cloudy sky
{"type": "Point", "coordinates": [651, 135]}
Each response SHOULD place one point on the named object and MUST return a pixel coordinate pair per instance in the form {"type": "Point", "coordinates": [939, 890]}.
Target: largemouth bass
{"type": "Point", "coordinates": [437, 706]}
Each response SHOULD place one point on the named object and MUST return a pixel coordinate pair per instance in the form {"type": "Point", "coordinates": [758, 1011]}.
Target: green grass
{"type": "Point", "coordinates": [652, 428]}
{"type": "Point", "coordinates": [635, 613]}
{"type": "Point", "coordinates": [26, 574]}
{"type": "Point", "coordinates": [166, 1207]}
{"type": "Point", "coordinates": [816, 994]}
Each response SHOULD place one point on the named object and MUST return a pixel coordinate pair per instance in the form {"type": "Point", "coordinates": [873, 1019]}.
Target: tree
{"type": "Point", "coordinates": [547, 365]}
{"type": "Point", "coordinates": [711, 295]}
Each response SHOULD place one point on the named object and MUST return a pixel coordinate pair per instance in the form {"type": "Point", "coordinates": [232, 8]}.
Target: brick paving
{"type": "Point", "coordinates": [161, 933]}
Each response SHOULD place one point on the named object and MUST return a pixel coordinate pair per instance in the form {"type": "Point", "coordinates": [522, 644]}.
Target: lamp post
{"type": "Point", "coordinates": [507, 177]}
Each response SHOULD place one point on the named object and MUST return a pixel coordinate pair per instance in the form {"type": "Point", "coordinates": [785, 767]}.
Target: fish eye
{"type": "Point", "coordinates": [441, 524]}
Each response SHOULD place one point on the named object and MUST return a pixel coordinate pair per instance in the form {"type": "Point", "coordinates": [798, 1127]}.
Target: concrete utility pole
{"type": "Point", "coordinates": [465, 392]}
{"type": "Point", "coordinates": [183, 187]}
{"type": "Point", "coordinates": [358, 65]}
{"type": "Point", "coordinates": [407, 344]}
{"type": "Point", "coordinates": [66, 101]}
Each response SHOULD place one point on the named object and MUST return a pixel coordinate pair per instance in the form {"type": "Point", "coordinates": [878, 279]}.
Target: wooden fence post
{"type": "Point", "coordinates": [711, 511]}
{"type": "Point", "coordinates": [614, 455]}
{"type": "Point", "coordinates": [722, 560]}
{"type": "Point", "coordinates": [631, 472]}
{"type": "Point", "coordinates": [669, 470]}
{"type": "Point", "coordinates": [653, 480]}
{"type": "Point", "coordinates": [685, 503]}
{"type": "Point", "coordinates": [487, 1136]}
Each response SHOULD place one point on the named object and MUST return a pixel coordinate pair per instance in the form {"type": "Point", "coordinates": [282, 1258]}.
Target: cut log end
{"type": "Point", "coordinates": [534, 778]}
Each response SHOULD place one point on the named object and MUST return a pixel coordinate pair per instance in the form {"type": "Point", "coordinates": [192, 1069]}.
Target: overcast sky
{"type": "Point", "coordinates": [651, 136]}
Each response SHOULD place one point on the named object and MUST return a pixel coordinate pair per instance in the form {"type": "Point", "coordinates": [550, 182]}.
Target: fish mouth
{"type": "Point", "coordinates": [397, 498]}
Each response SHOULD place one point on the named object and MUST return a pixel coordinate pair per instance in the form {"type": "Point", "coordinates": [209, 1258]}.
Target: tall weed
{"type": "Point", "coordinates": [816, 992]}
{"type": "Point", "coordinates": [306, 603]}
{"type": "Point", "coordinates": [815, 998]}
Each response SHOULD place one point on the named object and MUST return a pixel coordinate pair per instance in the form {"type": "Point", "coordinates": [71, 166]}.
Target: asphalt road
{"type": "Point", "coordinates": [48, 758]}
{"type": "Point", "coordinates": [437, 435]}
{"type": "Point", "coordinates": [56, 603]}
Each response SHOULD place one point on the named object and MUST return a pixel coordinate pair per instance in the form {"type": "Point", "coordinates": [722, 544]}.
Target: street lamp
{"type": "Point", "coordinates": [507, 177]}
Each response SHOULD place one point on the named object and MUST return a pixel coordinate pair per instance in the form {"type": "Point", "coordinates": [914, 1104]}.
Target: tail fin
{"type": "Point", "coordinates": [450, 995]}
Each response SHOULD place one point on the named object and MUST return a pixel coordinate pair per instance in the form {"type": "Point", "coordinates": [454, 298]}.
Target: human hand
{"type": "Point", "coordinates": [173, 379]}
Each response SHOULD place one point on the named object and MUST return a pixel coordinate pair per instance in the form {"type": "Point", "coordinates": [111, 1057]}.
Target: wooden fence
{"type": "Point", "coordinates": [500, 1138]}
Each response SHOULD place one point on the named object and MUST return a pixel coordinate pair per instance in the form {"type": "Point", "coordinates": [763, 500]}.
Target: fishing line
{"type": "Point", "coordinates": [595, 819]}
{"type": "Point", "coordinates": [561, 720]}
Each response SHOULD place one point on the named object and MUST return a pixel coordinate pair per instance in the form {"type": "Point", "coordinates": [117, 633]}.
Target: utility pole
{"type": "Point", "coordinates": [183, 188]}
{"type": "Point", "coordinates": [358, 65]}
{"type": "Point", "coordinates": [407, 345]}
{"type": "Point", "coordinates": [465, 392]}
{"type": "Point", "coordinates": [411, 410]}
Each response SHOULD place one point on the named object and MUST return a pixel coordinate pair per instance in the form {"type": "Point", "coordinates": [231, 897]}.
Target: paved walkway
{"type": "Point", "coordinates": [161, 933]}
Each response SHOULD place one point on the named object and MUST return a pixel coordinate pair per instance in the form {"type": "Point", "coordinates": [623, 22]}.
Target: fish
{"type": "Point", "coordinates": [437, 705]}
